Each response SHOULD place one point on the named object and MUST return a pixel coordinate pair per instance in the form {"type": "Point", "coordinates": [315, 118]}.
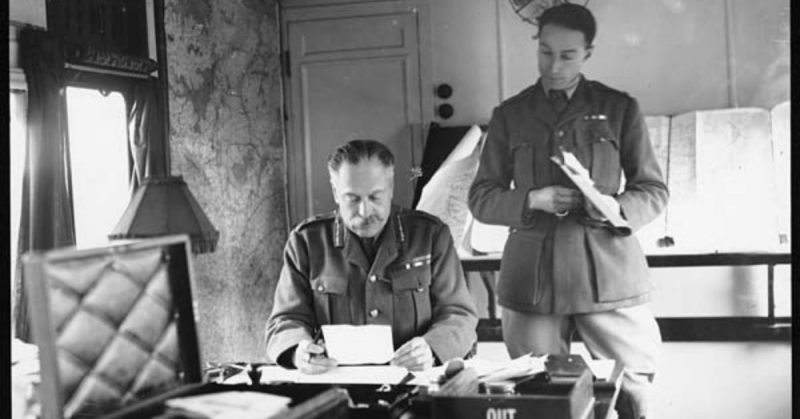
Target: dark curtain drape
{"type": "Point", "coordinates": [145, 132]}
{"type": "Point", "coordinates": [46, 217]}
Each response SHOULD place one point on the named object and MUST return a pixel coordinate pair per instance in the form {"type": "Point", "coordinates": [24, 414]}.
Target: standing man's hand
{"type": "Point", "coordinates": [555, 199]}
{"type": "Point", "coordinates": [414, 355]}
{"type": "Point", "coordinates": [310, 358]}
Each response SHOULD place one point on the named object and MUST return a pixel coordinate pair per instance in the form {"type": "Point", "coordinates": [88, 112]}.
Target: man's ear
{"type": "Point", "coordinates": [589, 51]}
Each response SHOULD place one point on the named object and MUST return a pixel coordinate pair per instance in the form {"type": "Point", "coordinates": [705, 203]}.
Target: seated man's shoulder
{"type": "Point", "coordinates": [315, 222]}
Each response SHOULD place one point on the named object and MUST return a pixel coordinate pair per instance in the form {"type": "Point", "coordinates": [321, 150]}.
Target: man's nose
{"type": "Point", "coordinates": [555, 66]}
{"type": "Point", "coordinates": [362, 209]}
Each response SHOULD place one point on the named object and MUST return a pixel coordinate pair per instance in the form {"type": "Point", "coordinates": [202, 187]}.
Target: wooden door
{"type": "Point", "coordinates": [353, 71]}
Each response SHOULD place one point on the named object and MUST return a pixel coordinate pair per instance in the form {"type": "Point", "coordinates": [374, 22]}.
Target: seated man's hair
{"type": "Point", "coordinates": [357, 150]}
{"type": "Point", "coordinates": [571, 16]}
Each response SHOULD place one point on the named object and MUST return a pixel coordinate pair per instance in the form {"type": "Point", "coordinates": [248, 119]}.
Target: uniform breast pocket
{"type": "Point", "coordinates": [411, 291]}
{"type": "Point", "coordinates": [330, 299]}
{"type": "Point", "coordinates": [599, 146]}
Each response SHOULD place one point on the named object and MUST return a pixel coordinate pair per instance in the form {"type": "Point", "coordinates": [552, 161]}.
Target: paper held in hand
{"type": "Point", "coordinates": [358, 345]}
{"type": "Point", "coordinates": [570, 165]}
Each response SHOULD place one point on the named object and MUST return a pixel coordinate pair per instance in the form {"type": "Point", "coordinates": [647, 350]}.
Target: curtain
{"type": "Point", "coordinates": [46, 219]}
{"type": "Point", "coordinates": [146, 132]}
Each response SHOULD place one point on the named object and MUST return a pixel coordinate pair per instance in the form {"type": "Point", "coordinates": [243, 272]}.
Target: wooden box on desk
{"type": "Point", "coordinates": [564, 370]}
{"type": "Point", "coordinates": [557, 402]}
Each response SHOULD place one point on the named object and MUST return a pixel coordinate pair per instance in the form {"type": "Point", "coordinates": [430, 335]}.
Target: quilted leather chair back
{"type": "Point", "coordinates": [114, 325]}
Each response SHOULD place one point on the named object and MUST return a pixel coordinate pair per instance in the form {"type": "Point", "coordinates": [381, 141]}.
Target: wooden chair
{"type": "Point", "coordinates": [114, 325]}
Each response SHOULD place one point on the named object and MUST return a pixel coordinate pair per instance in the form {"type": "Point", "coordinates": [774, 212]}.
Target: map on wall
{"type": "Point", "coordinates": [445, 194]}
{"type": "Point", "coordinates": [722, 182]}
{"type": "Point", "coordinates": [650, 234]}
{"type": "Point", "coordinates": [781, 143]}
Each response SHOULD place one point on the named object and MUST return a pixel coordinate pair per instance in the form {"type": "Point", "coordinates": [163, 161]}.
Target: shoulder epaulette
{"type": "Point", "coordinates": [600, 86]}
{"type": "Point", "coordinates": [315, 219]}
{"type": "Point", "coordinates": [524, 94]}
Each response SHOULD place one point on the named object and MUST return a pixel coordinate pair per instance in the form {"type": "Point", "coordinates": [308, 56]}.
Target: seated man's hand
{"type": "Point", "coordinates": [310, 358]}
{"type": "Point", "coordinates": [414, 355]}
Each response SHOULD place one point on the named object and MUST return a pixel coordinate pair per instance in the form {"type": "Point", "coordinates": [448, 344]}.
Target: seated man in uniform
{"type": "Point", "coordinates": [371, 262]}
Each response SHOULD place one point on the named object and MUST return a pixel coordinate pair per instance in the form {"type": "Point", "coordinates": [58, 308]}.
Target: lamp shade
{"type": "Point", "coordinates": [163, 206]}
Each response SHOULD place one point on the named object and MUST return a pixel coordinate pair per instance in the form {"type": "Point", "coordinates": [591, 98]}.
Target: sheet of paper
{"type": "Point", "coordinates": [362, 374]}
{"type": "Point", "coordinates": [358, 345]}
{"type": "Point", "coordinates": [233, 404]}
{"type": "Point", "coordinates": [570, 165]}
{"type": "Point", "coordinates": [486, 238]}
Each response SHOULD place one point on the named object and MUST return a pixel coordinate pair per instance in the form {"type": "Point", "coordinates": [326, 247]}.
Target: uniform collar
{"type": "Point", "coordinates": [569, 90]}
{"type": "Point", "coordinates": [579, 105]}
{"type": "Point", "coordinates": [394, 233]}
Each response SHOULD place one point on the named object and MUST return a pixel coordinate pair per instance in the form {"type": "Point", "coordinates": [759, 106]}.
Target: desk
{"type": "Point", "coordinates": [705, 328]}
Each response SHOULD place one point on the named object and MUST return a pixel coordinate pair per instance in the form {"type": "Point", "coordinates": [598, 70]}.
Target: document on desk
{"type": "Point", "coordinates": [574, 170]}
{"type": "Point", "coordinates": [358, 345]}
{"type": "Point", "coordinates": [489, 371]}
{"type": "Point", "coordinates": [361, 374]}
{"type": "Point", "coordinates": [232, 404]}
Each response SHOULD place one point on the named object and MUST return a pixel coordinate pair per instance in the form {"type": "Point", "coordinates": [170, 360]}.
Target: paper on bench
{"type": "Point", "coordinates": [362, 374]}
{"type": "Point", "coordinates": [357, 345]}
{"type": "Point", "coordinates": [490, 371]}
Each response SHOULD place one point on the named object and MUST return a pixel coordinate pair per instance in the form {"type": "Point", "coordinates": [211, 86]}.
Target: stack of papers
{"type": "Point", "coordinates": [490, 371]}
{"type": "Point", "coordinates": [233, 405]}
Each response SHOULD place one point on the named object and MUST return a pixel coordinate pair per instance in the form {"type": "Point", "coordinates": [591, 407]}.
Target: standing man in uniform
{"type": "Point", "coordinates": [371, 262]}
{"type": "Point", "coordinates": [564, 267]}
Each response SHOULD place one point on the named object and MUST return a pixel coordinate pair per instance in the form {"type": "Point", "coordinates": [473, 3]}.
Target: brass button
{"type": "Point", "coordinates": [560, 133]}
{"type": "Point", "coordinates": [419, 289]}
{"type": "Point", "coordinates": [373, 278]}
{"type": "Point", "coordinates": [374, 312]}
{"type": "Point", "coordinates": [321, 288]}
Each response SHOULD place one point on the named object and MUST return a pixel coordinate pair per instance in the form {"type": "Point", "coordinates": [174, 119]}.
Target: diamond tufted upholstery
{"type": "Point", "coordinates": [114, 325]}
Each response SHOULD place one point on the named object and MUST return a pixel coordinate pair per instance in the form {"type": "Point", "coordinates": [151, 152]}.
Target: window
{"type": "Point", "coordinates": [98, 162]}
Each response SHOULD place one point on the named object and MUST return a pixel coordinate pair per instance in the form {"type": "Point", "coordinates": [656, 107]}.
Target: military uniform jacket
{"type": "Point", "coordinates": [570, 264]}
{"type": "Point", "coordinates": [415, 284]}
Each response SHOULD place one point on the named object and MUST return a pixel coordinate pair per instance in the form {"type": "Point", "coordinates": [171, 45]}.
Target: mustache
{"type": "Point", "coordinates": [366, 221]}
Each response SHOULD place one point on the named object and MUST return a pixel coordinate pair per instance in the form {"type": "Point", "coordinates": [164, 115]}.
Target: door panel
{"type": "Point", "coordinates": [344, 100]}
{"type": "Point", "coordinates": [354, 72]}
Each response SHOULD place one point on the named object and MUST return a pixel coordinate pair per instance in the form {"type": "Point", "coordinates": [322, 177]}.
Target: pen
{"type": "Point", "coordinates": [317, 340]}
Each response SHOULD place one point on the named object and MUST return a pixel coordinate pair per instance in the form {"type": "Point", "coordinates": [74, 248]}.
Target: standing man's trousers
{"type": "Point", "coordinates": [628, 335]}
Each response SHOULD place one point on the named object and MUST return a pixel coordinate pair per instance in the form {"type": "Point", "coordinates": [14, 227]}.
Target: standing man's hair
{"type": "Point", "coordinates": [357, 150]}
{"type": "Point", "coordinates": [571, 16]}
